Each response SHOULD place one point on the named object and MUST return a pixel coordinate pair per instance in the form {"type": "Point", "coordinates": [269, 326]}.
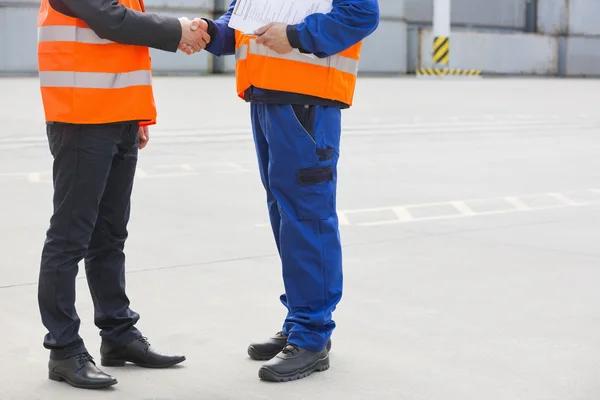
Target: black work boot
{"type": "Point", "coordinates": [268, 349]}
{"type": "Point", "coordinates": [138, 352]}
{"type": "Point", "coordinates": [79, 371]}
{"type": "Point", "coordinates": [294, 363]}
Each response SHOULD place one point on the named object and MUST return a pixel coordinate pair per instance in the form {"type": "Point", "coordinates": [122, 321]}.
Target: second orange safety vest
{"type": "Point", "coordinates": [85, 79]}
{"type": "Point", "coordinates": [332, 78]}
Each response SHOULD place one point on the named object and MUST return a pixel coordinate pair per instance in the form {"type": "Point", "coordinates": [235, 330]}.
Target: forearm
{"type": "Point", "coordinates": [113, 21]}
{"type": "Point", "coordinates": [349, 22]}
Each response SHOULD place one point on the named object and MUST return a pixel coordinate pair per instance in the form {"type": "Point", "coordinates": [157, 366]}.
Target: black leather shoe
{"type": "Point", "coordinates": [294, 363]}
{"type": "Point", "coordinates": [138, 352]}
{"type": "Point", "coordinates": [268, 349]}
{"type": "Point", "coordinates": [79, 371]}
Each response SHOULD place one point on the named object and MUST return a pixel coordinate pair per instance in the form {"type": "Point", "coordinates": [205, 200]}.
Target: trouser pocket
{"type": "Point", "coordinates": [302, 168]}
{"type": "Point", "coordinates": [305, 116]}
{"type": "Point", "coordinates": [313, 176]}
{"type": "Point", "coordinates": [315, 196]}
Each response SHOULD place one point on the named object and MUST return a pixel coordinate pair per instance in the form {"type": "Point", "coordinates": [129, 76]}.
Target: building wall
{"type": "Point", "coordinates": [486, 13]}
{"type": "Point", "coordinates": [487, 34]}
{"type": "Point", "coordinates": [492, 52]}
{"type": "Point", "coordinates": [385, 50]}
{"type": "Point", "coordinates": [18, 39]}
{"type": "Point", "coordinates": [19, 20]}
{"type": "Point", "coordinates": [583, 56]}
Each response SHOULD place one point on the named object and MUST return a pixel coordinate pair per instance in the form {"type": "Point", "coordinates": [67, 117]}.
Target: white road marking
{"type": "Point", "coordinates": [238, 167]}
{"type": "Point", "coordinates": [488, 124]}
{"type": "Point", "coordinates": [403, 214]}
{"type": "Point", "coordinates": [463, 208]}
{"type": "Point", "coordinates": [441, 217]}
{"type": "Point", "coordinates": [517, 203]}
{"type": "Point", "coordinates": [153, 171]}
{"type": "Point", "coordinates": [453, 125]}
{"type": "Point", "coordinates": [34, 177]}
{"type": "Point", "coordinates": [343, 219]}
{"type": "Point", "coordinates": [563, 199]}
{"type": "Point", "coordinates": [13, 174]}
{"type": "Point", "coordinates": [169, 175]}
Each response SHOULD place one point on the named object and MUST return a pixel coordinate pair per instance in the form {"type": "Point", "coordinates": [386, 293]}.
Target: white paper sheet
{"type": "Point", "coordinates": [250, 15]}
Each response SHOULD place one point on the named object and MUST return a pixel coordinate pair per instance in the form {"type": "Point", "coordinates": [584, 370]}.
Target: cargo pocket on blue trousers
{"type": "Point", "coordinates": [315, 200]}
{"type": "Point", "coordinates": [315, 184]}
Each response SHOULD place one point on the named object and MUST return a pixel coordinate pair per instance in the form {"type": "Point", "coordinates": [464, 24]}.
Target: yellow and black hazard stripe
{"type": "Point", "coordinates": [448, 72]}
{"type": "Point", "coordinates": [441, 50]}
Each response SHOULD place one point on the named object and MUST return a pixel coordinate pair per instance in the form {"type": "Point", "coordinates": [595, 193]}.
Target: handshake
{"type": "Point", "coordinates": [194, 35]}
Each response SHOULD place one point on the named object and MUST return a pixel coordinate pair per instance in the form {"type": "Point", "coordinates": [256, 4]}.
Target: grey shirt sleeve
{"type": "Point", "coordinates": [113, 21]}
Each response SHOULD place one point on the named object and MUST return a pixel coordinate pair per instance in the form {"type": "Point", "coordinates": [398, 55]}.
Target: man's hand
{"type": "Point", "coordinates": [274, 36]}
{"type": "Point", "coordinates": [144, 134]}
{"type": "Point", "coordinates": [194, 37]}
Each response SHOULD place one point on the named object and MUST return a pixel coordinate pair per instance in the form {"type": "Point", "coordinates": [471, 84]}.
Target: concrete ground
{"type": "Point", "coordinates": [470, 213]}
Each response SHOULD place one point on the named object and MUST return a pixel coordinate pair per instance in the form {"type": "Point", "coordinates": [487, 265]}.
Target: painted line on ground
{"type": "Point", "coordinates": [463, 208]}
{"type": "Point", "coordinates": [151, 172]}
{"type": "Point", "coordinates": [480, 214]}
{"type": "Point", "coordinates": [444, 126]}
{"type": "Point", "coordinates": [403, 215]}
{"type": "Point", "coordinates": [563, 199]}
{"type": "Point", "coordinates": [517, 203]}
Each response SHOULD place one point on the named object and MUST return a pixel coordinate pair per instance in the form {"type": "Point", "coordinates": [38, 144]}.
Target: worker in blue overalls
{"type": "Point", "coordinates": [296, 101]}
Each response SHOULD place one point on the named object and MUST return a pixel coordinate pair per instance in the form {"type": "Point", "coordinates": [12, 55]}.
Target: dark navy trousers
{"type": "Point", "coordinates": [298, 149]}
{"type": "Point", "coordinates": [93, 173]}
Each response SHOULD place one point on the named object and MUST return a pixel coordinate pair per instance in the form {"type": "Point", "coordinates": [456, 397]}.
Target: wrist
{"type": "Point", "coordinates": [293, 37]}
{"type": "Point", "coordinates": [212, 28]}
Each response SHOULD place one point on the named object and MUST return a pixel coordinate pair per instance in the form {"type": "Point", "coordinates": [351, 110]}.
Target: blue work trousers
{"type": "Point", "coordinates": [298, 151]}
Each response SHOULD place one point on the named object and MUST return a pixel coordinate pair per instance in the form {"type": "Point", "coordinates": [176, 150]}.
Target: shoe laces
{"type": "Point", "coordinates": [290, 348]}
{"type": "Point", "coordinates": [144, 340]}
{"type": "Point", "coordinates": [83, 358]}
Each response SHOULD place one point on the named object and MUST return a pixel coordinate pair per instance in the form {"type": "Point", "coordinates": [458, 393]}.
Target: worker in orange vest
{"type": "Point", "coordinates": [95, 76]}
{"type": "Point", "coordinates": [297, 79]}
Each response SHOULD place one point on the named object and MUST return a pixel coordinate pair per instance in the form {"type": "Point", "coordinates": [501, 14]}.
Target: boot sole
{"type": "Point", "coordinates": [59, 378]}
{"type": "Point", "coordinates": [267, 374]}
{"type": "Point", "coordinates": [121, 363]}
{"type": "Point", "coordinates": [255, 355]}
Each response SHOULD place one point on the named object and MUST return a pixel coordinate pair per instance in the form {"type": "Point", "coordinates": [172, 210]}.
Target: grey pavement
{"type": "Point", "coordinates": [470, 223]}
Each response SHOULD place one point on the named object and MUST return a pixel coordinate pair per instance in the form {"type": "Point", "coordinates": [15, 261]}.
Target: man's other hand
{"type": "Point", "coordinates": [274, 36]}
{"type": "Point", "coordinates": [144, 134]}
{"type": "Point", "coordinates": [194, 36]}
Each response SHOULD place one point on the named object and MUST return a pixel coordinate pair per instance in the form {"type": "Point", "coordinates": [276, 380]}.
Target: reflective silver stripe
{"type": "Point", "coordinates": [95, 80]}
{"type": "Point", "coordinates": [61, 33]}
{"type": "Point", "coordinates": [241, 52]}
{"type": "Point", "coordinates": [341, 63]}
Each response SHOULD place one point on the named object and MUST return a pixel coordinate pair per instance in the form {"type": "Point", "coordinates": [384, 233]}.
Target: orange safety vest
{"type": "Point", "coordinates": [85, 79]}
{"type": "Point", "coordinates": [332, 78]}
